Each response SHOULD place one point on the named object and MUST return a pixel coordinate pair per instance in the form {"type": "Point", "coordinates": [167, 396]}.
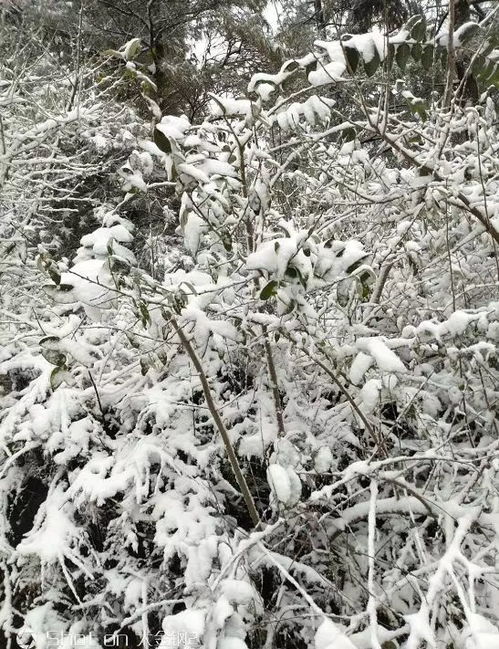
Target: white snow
{"type": "Point", "coordinates": [385, 358]}
{"type": "Point", "coordinates": [370, 394]}
{"type": "Point", "coordinates": [238, 591]}
{"type": "Point", "coordinates": [181, 627]}
{"type": "Point", "coordinates": [331, 636]}
{"type": "Point", "coordinates": [285, 484]}
{"type": "Point", "coordinates": [278, 479]}
{"type": "Point", "coordinates": [53, 533]}
{"type": "Point", "coordinates": [231, 643]}
{"type": "Point", "coordinates": [484, 635]}
{"type": "Point", "coordinates": [220, 106]}
{"type": "Point", "coordinates": [173, 126]}
{"type": "Point", "coordinates": [361, 363]}
{"type": "Point", "coordinates": [323, 460]}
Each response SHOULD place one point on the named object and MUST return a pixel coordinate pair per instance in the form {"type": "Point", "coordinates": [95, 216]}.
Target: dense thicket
{"type": "Point", "coordinates": [250, 313]}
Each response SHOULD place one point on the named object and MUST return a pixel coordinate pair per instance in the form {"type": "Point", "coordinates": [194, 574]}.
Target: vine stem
{"type": "Point", "coordinates": [212, 407]}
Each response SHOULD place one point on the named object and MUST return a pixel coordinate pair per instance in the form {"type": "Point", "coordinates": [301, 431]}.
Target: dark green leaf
{"type": "Point", "coordinates": [57, 376]}
{"type": "Point", "coordinates": [161, 141]}
{"type": "Point", "coordinates": [418, 106]}
{"type": "Point", "coordinates": [311, 67]}
{"type": "Point", "coordinates": [54, 275]}
{"type": "Point", "coordinates": [352, 57]}
{"type": "Point", "coordinates": [119, 265]}
{"type": "Point", "coordinates": [487, 72]}
{"type": "Point", "coordinates": [348, 134]}
{"type": "Point", "coordinates": [418, 29]}
{"type": "Point", "coordinates": [355, 265]}
{"type": "Point", "coordinates": [269, 290]}
{"type": "Point", "coordinates": [402, 55]}
{"type": "Point", "coordinates": [54, 357]}
{"type": "Point", "coordinates": [416, 51]}
{"type": "Point", "coordinates": [467, 32]}
{"type": "Point", "coordinates": [145, 318]}
{"type": "Point", "coordinates": [389, 644]}
{"type": "Point", "coordinates": [291, 66]}
{"type": "Point", "coordinates": [478, 65]}
{"type": "Point", "coordinates": [109, 246]}
{"type": "Point", "coordinates": [49, 341]}
{"type": "Point", "coordinates": [373, 64]}
{"type": "Point", "coordinates": [144, 366]}
{"type": "Point", "coordinates": [427, 56]}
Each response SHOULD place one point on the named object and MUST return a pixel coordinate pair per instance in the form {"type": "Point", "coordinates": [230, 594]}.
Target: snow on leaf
{"type": "Point", "coordinates": [237, 591]}
{"type": "Point", "coordinates": [186, 626]}
{"type": "Point", "coordinates": [361, 363]}
{"type": "Point", "coordinates": [54, 533]}
{"type": "Point", "coordinates": [385, 358]}
{"type": "Point", "coordinates": [131, 49]}
{"type": "Point", "coordinates": [279, 481]}
{"type": "Point", "coordinates": [331, 636]}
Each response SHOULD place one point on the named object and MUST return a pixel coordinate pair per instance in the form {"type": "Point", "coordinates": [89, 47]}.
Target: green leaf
{"type": "Point", "coordinates": [109, 246]}
{"type": "Point", "coordinates": [144, 366]}
{"type": "Point", "coordinates": [119, 264]}
{"type": "Point", "coordinates": [227, 241]}
{"type": "Point", "coordinates": [58, 376]}
{"type": "Point", "coordinates": [467, 32]}
{"type": "Point", "coordinates": [343, 290]}
{"type": "Point", "coordinates": [494, 78]}
{"type": "Point", "coordinates": [348, 134]}
{"type": "Point", "coordinates": [413, 20]}
{"type": "Point", "coordinates": [427, 56]}
{"type": "Point", "coordinates": [355, 265]}
{"type": "Point", "coordinates": [290, 66]}
{"type": "Point", "coordinates": [54, 274]}
{"type": "Point", "coordinates": [416, 51]}
{"type": "Point", "coordinates": [402, 55]}
{"type": "Point", "coordinates": [161, 141]}
{"type": "Point", "coordinates": [478, 65]}
{"type": "Point", "coordinates": [54, 357]}
{"type": "Point", "coordinates": [49, 341]}
{"type": "Point", "coordinates": [373, 64]}
{"type": "Point", "coordinates": [311, 67]}
{"type": "Point", "coordinates": [132, 48]}
{"type": "Point", "coordinates": [389, 644]}
{"type": "Point", "coordinates": [487, 71]}
{"type": "Point", "coordinates": [269, 290]}
{"type": "Point", "coordinates": [112, 53]}
{"type": "Point", "coordinates": [352, 57]}
{"type": "Point", "coordinates": [145, 318]}
{"type": "Point", "coordinates": [417, 29]}
{"type": "Point", "coordinates": [418, 106]}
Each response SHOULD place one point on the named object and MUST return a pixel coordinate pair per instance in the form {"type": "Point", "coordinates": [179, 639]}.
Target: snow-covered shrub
{"type": "Point", "coordinates": [290, 438]}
